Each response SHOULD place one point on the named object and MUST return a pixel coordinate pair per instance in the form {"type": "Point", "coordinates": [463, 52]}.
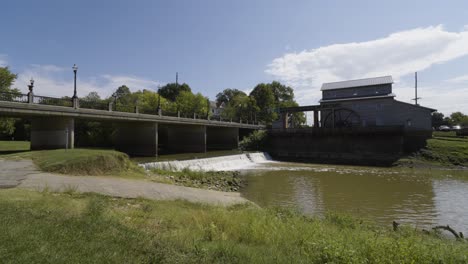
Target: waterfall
{"type": "Point", "coordinates": [224, 163]}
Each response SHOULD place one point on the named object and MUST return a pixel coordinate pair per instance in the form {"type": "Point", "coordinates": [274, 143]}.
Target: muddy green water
{"type": "Point", "coordinates": [420, 197]}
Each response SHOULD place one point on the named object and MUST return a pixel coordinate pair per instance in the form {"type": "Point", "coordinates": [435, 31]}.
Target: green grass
{"type": "Point", "coordinates": [87, 228]}
{"type": "Point", "coordinates": [82, 162]}
{"type": "Point", "coordinates": [445, 149]}
{"type": "Point", "coordinates": [7, 147]}
{"type": "Point", "coordinates": [227, 181]}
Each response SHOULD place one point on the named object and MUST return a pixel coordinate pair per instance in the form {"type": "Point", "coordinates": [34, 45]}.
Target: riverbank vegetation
{"type": "Point", "coordinates": [227, 181]}
{"type": "Point", "coordinates": [445, 149]}
{"type": "Point", "coordinates": [82, 228]}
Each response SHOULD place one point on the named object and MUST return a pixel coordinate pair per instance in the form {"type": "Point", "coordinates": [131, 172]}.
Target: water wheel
{"type": "Point", "coordinates": [342, 117]}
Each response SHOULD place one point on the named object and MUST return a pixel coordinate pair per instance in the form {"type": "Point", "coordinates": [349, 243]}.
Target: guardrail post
{"type": "Point", "coordinates": [194, 116]}
{"type": "Point", "coordinates": [178, 114]}
{"type": "Point", "coordinates": [110, 106]}
{"type": "Point", "coordinates": [159, 112]}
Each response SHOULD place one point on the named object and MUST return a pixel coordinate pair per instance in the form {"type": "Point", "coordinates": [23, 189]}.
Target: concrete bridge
{"type": "Point", "coordinates": [138, 134]}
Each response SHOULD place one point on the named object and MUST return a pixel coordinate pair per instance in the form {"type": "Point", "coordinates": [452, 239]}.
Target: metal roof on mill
{"type": "Point", "coordinates": [357, 83]}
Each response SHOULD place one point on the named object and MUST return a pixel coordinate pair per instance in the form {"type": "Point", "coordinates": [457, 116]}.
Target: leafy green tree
{"type": "Point", "coordinates": [272, 96]}
{"type": "Point", "coordinates": [241, 107]}
{"type": "Point", "coordinates": [148, 102]}
{"type": "Point", "coordinates": [457, 118]}
{"type": "Point", "coordinates": [265, 98]}
{"type": "Point", "coordinates": [438, 119]}
{"type": "Point", "coordinates": [7, 78]}
{"type": "Point", "coordinates": [92, 96]}
{"type": "Point", "coordinates": [282, 92]}
{"type": "Point", "coordinates": [170, 91]}
{"type": "Point", "coordinates": [227, 95]}
{"type": "Point", "coordinates": [188, 104]}
{"type": "Point", "coordinates": [124, 99]}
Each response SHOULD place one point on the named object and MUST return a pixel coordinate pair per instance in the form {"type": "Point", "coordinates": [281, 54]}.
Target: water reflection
{"type": "Point", "coordinates": [421, 198]}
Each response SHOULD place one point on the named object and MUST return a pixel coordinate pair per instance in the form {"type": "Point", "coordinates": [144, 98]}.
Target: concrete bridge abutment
{"type": "Point", "coordinates": [137, 138]}
{"type": "Point", "coordinates": [52, 133]}
{"type": "Point", "coordinates": [222, 138]}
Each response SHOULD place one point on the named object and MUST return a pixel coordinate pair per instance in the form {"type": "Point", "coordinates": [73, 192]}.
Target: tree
{"type": "Point", "coordinates": [170, 91]}
{"type": "Point", "coordinates": [188, 104]}
{"type": "Point", "coordinates": [227, 95]}
{"type": "Point", "coordinates": [123, 91]}
{"type": "Point", "coordinates": [457, 118]}
{"type": "Point", "coordinates": [241, 107]}
{"type": "Point", "coordinates": [438, 119]}
{"type": "Point", "coordinates": [148, 102]}
{"type": "Point", "coordinates": [282, 92]}
{"type": "Point", "coordinates": [92, 96]}
{"type": "Point", "coordinates": [7, 78]}
{"type": "Point", "coordinates": [263, 95]}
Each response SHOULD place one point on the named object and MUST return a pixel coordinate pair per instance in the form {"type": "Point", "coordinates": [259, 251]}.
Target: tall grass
{"type": "Point", "coordinates": [72, 228]}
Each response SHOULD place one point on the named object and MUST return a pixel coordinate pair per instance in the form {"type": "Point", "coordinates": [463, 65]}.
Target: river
{"type": "Point", "coordinates": [421, 197]}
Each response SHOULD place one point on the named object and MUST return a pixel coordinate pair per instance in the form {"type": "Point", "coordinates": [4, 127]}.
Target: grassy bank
{"type": "Point", "coordinates": [227, 181]}
{"type": "Point", "coordinates": [445, 149]}
{"type": "Point", "coordinates": [81, 162]}
{"type": "Point", "coordinates": [71, 228]}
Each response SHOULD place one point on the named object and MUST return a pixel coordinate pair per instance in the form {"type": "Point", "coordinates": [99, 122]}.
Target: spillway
{"type": "Point", "coordinates": [224, 163]}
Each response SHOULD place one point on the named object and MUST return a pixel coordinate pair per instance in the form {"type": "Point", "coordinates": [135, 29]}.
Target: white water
{"type": "Point", "coordinates": [224, 163]}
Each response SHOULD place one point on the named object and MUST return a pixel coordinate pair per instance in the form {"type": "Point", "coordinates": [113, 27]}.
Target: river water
{"type": "Point", "coordinates": [421, 197]}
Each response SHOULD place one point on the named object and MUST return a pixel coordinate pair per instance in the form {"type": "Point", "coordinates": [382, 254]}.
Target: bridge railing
{"type": "Point", "coordinates": [46, 100]}
{"type": "Point", "coordinates": [13, 97]}
{"type": "Point", "coordinates": [106, 106]}
{"type": "Point", "coordinates": [93, 104]}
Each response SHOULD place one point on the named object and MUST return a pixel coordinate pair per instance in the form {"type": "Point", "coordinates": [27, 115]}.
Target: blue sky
{"type": "Point", "coordinates": [236, 44]}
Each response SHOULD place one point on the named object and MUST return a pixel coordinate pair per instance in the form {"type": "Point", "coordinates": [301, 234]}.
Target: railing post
{"type": "Point", "coordinates": [30, 98]}
{"type": "Point", "coordinates": [76, 103]}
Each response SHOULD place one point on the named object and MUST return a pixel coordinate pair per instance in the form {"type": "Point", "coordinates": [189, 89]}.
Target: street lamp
{"type": "Point", "coordinates": [75, 69]}
{"type": "Point", "coordinates": [31, 86]}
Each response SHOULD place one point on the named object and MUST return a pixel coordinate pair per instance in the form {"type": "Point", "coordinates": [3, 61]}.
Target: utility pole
{"type": "Point", "coordinates": [176, 79]}
{"type": "Point", "coordinates": [416, 89]}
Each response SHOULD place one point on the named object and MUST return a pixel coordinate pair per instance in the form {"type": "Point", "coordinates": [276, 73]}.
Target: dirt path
{"type": "Point", "coordinates": [23, 174]}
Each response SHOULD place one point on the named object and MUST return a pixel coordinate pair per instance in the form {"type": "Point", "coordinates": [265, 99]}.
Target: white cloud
{"type": "Point", "coordinates": [52, 80]}
{"type": "Point", "coordinates": [398, 54]}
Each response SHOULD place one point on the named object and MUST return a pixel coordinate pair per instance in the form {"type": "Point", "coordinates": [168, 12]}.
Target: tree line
{"type": "Point", "coordinates": [454, 119]}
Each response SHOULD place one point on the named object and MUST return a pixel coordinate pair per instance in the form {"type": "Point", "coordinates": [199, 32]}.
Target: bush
{"type": "Point", "coordinates": [255, 141]}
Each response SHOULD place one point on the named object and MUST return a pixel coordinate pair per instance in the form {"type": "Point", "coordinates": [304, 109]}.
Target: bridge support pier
{"type": "Point", "coordinates": [222, 138]}
{"type": "Point", "coordinates": [52, 133]}
{"type": "Point", "coordinates": [183, 138]}
{"type": "Point", "coordinates": [137, 138]}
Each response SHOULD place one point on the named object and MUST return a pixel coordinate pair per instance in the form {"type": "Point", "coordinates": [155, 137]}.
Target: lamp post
{"type": "Point", "coordinates": [75, 69]}
{"type": "Point", "coordinates": [31, 86]}
{"type": "Point", "coordinates": [30, 94]}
